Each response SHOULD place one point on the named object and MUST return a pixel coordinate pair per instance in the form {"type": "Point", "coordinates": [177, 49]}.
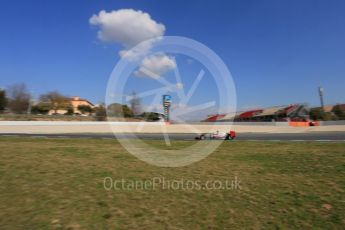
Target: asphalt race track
{"type": "Point", "coordinates": [313, 136]}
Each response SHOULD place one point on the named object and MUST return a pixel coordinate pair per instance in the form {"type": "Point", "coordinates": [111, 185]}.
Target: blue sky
{"type": "Point", "coordinates": [278, 52]}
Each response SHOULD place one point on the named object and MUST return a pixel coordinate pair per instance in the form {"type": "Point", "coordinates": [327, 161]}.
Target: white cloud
{"type": "Point", "coordinates": [129, 28]}
{"type": "Point", "coordinates": [155, 66]}
{"type": "Point", "coordinates": [126, 26]}
{"type": "Point", "coordinates": [136, 52]}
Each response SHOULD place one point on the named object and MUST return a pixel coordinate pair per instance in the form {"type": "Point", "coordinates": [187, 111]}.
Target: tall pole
{"type": "Point", "coordinates": [321, 97]}
{"type": "Point", "coordinates": [166, 107]}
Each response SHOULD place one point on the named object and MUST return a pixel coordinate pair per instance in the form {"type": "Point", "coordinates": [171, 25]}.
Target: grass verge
{"type": "Point", "coordinates": [58, 184]}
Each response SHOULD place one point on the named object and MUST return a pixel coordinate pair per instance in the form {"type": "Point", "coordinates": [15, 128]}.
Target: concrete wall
{"type": "Point", "coordinates": [151, 127]}
{"type": "Point", "coordinates": [323, 123]}
{"type": "Point", "coordinates": [244, 123]}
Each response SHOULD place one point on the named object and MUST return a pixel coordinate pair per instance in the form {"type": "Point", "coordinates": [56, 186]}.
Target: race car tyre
{"type": "Point", "coordinates": [227, 137]}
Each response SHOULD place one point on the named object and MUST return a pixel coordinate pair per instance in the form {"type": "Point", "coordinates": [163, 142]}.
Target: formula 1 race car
{"type": "Point", "coordinates": [217, 136]}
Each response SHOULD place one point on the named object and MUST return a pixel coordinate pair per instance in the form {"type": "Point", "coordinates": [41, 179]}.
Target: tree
{"type": "Point", "coordinates": [114, 110]}
{"type": "Point", "coordinates": [100, 113]}
{"type": "Point", "coordinates": [40, 108]}
{"type": "Point", "coordinates": [316, 114]}
{"type": "Point", "coordinates": [70, 110]}
{"type": "Point", "coordinates": [85, 109]}
{"type": "Point", "coordinates": [135, 104]}
{"type": "Point", "coordinates": [3, 100]}
{"type": "Point", "coordinates": [320, 114]}
{"type": "Point", "coordinates": [329, 117]}
{"type": "Point", "coordinates": [150, 116]}
{"type": "Point", "coordinates": [19, 98]}
{"type": "Point", "coordinates": [119, 110]}
{"type": "Point", "coordinates": [55, 101]}
{"type": "Point", "coordinates": [339, 112]}
{"type": "Point", "coordinates": [127, 112]}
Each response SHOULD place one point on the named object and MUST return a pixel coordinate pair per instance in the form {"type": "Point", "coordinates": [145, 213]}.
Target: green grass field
{"type": "Point", "coordinates": [58, 184]}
